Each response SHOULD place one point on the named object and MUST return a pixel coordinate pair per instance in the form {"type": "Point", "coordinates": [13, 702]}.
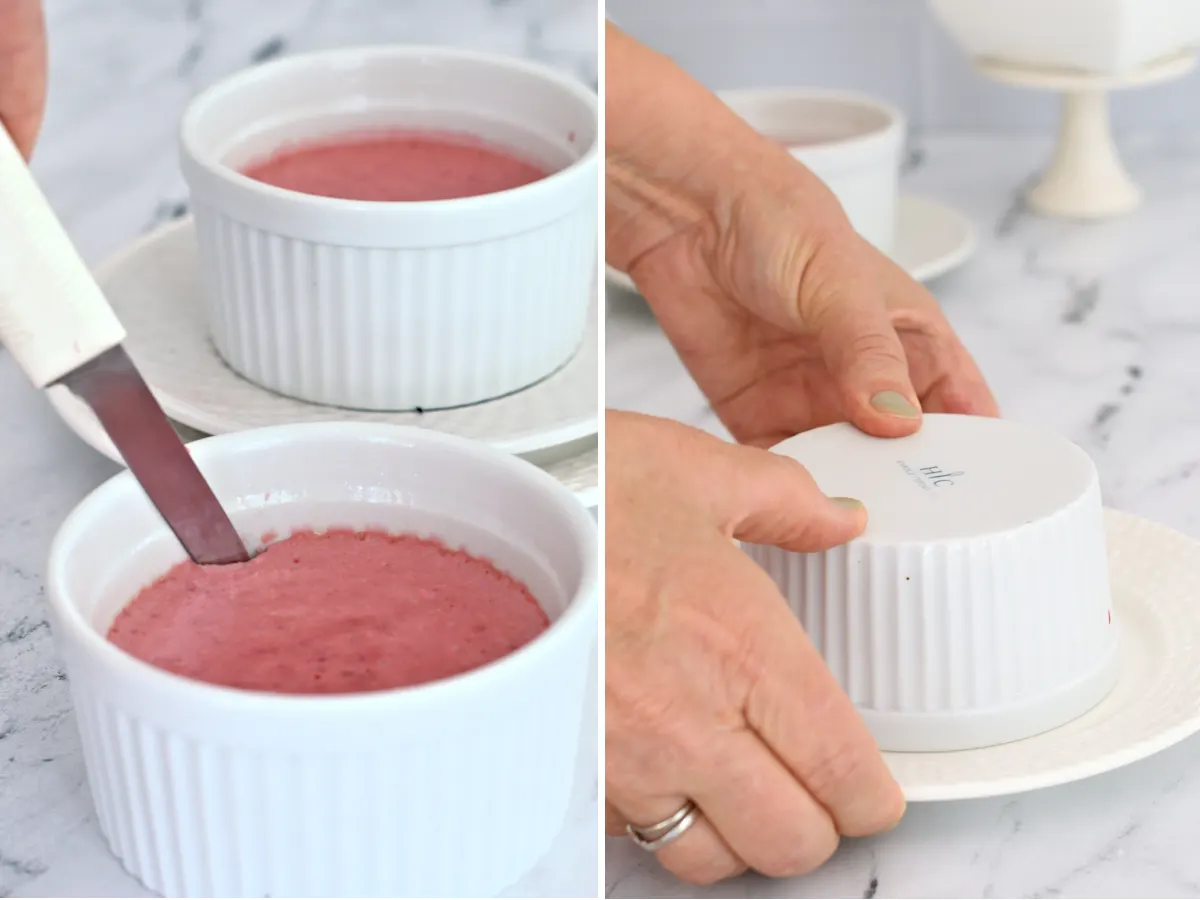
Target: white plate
{"type": "Point", "coordinates": [1156, 604]}
{"type": "Point", "coordinates": [153, 286]}
{"type": "Point", "coordinates": [931, 239]}
{"type": "Point", "coordinates": [576, 464]}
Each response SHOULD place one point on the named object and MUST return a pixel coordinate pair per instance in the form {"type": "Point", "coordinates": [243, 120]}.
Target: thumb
{"type": "Point", "coordinates": [865, 357]}
{"type": "Point", "coordinates": [774, 500]}
{"type": "Point", "coordinates": [22, 70]}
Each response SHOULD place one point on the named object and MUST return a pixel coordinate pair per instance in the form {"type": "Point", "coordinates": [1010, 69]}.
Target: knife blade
{"type": "Point", "coordinates": [112, 386]}
{"type": "Point", "coordinates": [58, 326]}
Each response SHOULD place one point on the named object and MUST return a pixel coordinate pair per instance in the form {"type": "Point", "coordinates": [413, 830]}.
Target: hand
{"type": "Point", "coordinates": [788, 320]}
{"type": "Point", "coordinates": [22, 70]}
{"type": "Point", "coordinates": [713, 691]}
{"type": "Point", "coordinates": [783, 315]}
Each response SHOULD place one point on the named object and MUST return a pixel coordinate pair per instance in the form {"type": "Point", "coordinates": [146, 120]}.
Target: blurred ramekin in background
{"type": "Point", "coordinates": [851, 142]}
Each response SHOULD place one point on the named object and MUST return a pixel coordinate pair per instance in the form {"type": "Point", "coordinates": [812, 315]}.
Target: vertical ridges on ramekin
{"type": "Point", "coordinates": [196, 816]}
{"type": "Point", "coordinates": [957, 625]}
{"type": "Point", "coordinates": [394, 328]}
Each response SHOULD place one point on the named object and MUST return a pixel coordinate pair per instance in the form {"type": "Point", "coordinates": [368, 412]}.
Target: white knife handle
{"type": "Point", "coordinates": [53, 316]}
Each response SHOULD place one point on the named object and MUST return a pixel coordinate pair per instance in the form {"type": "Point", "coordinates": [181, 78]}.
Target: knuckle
{"type": "Point", "coordinates": [892, 810]}
{"type": "Point", "coordinates": [876, 346]}
{"type": "Point", "coordinates": [816, 299]}
{"type": "Point", "coordinates": [799, 479]}
{"type": "Point", "coordinates": [703, 869]}
{"type": "Point", "coordinates": [756, 475]}
{"type": "Point", "coordinates": [926, 322]}
{"type": "Point", "coordinates": [835, 771]}
{"type": "Point", "coordinates": [815, 533]}
{"type": "Point", "coordinates": [883, 816]}
{"type": "Point", "coordinates": [802, 857]}
{"type": "Point", "coordinates": [820, 264]}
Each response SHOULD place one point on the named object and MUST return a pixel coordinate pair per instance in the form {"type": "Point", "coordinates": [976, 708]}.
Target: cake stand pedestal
{"type": "Point", "coordinates": [1085, 178]}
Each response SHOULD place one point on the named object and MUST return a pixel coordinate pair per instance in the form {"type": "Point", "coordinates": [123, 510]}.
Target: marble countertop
{"type": "Point", "coordinates": [1089, 329]}
{"type": "Point", "coordinates": [121, 73]}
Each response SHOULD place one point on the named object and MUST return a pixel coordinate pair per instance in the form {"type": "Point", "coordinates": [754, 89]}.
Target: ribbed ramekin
{"type": "Point", "coordinates": [975, 608]}
{"type": "Point", "coordinates": [394, 306]}
{"type": "Point", "coordinates": [449, 789]}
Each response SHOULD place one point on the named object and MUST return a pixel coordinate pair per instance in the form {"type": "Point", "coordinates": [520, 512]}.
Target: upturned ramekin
{"type": "Point", "coordinates": [851, 142]}
{"type": "Point", "coordinates": [975, 608]}
{"type": "Point", "coordinates": [393, 306]}
{"type": "Point", "coordinates": [452, 788]}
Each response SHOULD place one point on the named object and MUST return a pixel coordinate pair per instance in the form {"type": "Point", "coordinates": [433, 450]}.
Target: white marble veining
{"type": "Point", "coordinates": [1090, 329]}
{"type": "Point", "coordinates": [122, 71]}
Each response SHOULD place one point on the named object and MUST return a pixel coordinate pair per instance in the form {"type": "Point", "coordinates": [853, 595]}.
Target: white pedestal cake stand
{"type": "Point", "coordinates": [1085, 178]}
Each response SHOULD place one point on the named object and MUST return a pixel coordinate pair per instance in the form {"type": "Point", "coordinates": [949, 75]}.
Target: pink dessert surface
{"type": "Point", "coordinates": [396, 166]}
{"type": "Point", "coordinates": [333, 612]}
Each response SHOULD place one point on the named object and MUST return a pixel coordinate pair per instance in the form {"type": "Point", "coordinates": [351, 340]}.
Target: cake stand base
{"type": "Point", "coordinates": [1085, 178]}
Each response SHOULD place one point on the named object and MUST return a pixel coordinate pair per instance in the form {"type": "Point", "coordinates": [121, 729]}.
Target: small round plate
{"type": "Point", "coordinates": [1155, 575]}
{"type": "Point", "coordinates": [576, 463]}
{"type": "Point", "coordinates": [154, 287]}
{"type": "Point", "coordinates": [931, 239]}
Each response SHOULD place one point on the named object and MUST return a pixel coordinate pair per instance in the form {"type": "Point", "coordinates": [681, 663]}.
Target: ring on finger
{"type": "Point", "coordinates": [666, 832]}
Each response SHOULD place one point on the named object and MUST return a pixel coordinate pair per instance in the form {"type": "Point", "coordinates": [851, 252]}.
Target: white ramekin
{"type": "Point", "coordinates": [975, 608]}
{"type": "Point", "coordinates": [1108, 37]}
{"type": "Point", "coordinates": [852, 143]}
{"type": "Point", "coordinates": [395, 306]}
{"type": "Point", "coordinates": [452, 788]}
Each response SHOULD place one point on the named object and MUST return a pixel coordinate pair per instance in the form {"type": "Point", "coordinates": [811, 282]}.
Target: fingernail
{"type": "Point", "coordinates": [895, 404]}
{"type": "Point", "coordinates": [847, 502]}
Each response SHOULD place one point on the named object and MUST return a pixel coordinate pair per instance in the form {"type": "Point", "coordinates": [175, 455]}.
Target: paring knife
{"type": "Point", "coordinates": [58, 326]}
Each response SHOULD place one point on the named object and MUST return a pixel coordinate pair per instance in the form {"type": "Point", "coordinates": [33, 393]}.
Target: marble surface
{"type": "Point", "coordinates": [1089, 329]}
{"type": "Point", "coordinates": [122, 71]}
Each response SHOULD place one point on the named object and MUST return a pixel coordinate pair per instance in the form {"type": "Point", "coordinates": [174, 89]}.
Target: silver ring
{"type": "Point", "coordinates": [661, 834]}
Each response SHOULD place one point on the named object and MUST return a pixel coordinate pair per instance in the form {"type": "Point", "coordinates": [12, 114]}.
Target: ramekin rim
{"type": "Point", "coordinates": [895, 124]}
{"type": "Point", "coordinates": [482, 202]}
{"type": "Point", "coordinates": [584, 602]}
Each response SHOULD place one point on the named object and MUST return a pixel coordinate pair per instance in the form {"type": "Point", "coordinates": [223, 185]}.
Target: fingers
{"type": "Point", "coordinates": [765, 816]}
{"type": "Point", "coordinates": [699, 856]}
{"type": "Point", "coordinates": [962, 391]}
{"type": "Point", "coordinates": [801, 713]}
{"type": "Point", "coordinates": [750, 493]}
{"type": "Point", "coordinates": [774, 500]}
{"type": "Point", "coordinates": [695, 633]}
{"type": "Point", "coordinates": [942, 369]}
{"type": "Point", "coordinates": [755, 815]}
{"type": "Point", "coordinates": [22, 70]}
{"type": "Point", "coordinates": [844, 303]}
